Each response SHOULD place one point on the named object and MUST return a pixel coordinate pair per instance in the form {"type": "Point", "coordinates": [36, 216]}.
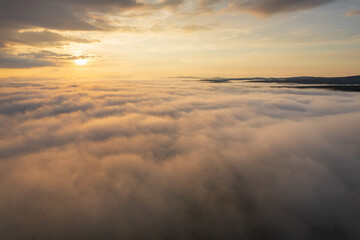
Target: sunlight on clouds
{"type": "Point", "coordinates": [136, 119]}
{"type": "Point", "coordinates": [177, 159]}
{"type": "Point", "coordinates": [81, 61]}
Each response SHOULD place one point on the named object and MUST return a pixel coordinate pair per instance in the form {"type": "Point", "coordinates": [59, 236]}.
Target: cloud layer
{"type": "Point", "coordinates": [177, 160]}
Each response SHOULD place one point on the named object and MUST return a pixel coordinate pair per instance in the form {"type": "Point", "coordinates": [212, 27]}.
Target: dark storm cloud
{"type": "Point", "coordinates": [177, 160]}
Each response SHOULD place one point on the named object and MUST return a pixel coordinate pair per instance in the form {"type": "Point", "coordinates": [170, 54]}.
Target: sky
{"type": "Point", "coordinates": [169, 38]}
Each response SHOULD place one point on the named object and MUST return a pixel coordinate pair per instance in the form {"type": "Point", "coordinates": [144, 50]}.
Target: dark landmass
{"type": "Point", "coordinates": [298, 80]}
{"type": "Point", "coordinates": [312, 80]}
{"type": "Point", "coordinates": [350, 83]}
{"type": "Point", "coordinates": [223, 80]}
{"type": "Point", "coordinates": [349, 88]}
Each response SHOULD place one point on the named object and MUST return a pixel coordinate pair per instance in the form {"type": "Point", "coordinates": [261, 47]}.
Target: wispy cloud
{"type": "Point", "coordinates": [197, 28]}
{"type": "Point", "coordinates": [14, 61]}
{"type": "Point", "coordinates": [353, 13]}
{"type": "Point", "coordinates": [270, 7]}
{"type": "Point", "coordinates": [45, 38]}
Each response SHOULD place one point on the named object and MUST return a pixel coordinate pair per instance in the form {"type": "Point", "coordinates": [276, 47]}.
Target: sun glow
{"type": "Point", "coordinates": [81, 61]}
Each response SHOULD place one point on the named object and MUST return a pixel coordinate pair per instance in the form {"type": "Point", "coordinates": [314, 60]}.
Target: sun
{"type": "Point", "coordinates": [81, 61]}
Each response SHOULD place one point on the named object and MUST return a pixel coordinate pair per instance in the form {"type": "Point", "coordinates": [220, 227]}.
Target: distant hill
{"type": "Point", "coordinates": [298, 80]}
{"type": "Point", "coordinates": [350, 83]}
{"type": "Point", "coordinates": [313, 80]}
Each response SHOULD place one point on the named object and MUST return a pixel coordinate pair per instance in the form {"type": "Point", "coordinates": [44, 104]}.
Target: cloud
{"type": "Point", "coordinates": [270, 7]}
{"type": "Point", "coordinates": [82, 15]}
{"type": "Point", "coordinates": [45, 38]}
{"type": "Point", "coordinates": [177, 160]}
{"type": "Point", "coordinates": [41, 58]}
{"type": "Point", "coordinates": [40, 13]}
{"type": "Point", "coordinates": [50, 55]}
{"type": "Point", "coordinates": [59, 15]}
{"type": "Point", "coordinates": [353, 13]}
{"type": "Point", "coordinates": [19, 19]}
{"type": "Point", "coordinates": [11, 61]}
{"type": "Point", "coordinates": [40, 23]}
{"type": "Point", "coordinates": [196, 28]}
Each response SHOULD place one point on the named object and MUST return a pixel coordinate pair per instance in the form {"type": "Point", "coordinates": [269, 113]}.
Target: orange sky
{"type": "Point", "coordinates": [143, 39]}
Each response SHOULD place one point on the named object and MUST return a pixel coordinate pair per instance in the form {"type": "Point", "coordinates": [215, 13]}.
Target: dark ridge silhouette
{"type": "Point", "coordinates": [345, 88]}
{"type": "Point", "coordinates": [312, 80]}
{"type": "Point", "coordinates": [349, 83]}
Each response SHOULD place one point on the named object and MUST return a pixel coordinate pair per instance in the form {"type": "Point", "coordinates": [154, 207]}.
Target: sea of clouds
{"type": "Point", "coordinates": [177, 160]}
